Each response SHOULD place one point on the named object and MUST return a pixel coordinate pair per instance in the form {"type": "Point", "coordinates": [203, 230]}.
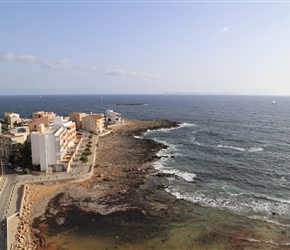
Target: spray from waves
{"type": "Point", "coordinates": [161, 166]}
{"type": "Point", "coordinates": [161, 129]}
{"type": "Point", "coordinates": [182, 125]}
{"type": "Point", "coordinates": [187, 125]}
{"type": "Point", "coordinates": [254, 207]}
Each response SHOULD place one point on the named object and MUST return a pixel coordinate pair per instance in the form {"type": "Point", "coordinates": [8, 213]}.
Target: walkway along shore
{"type": "Point", "coordinates": [13, 190]}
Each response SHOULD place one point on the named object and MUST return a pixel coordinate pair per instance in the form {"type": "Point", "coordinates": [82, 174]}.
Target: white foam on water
{"type": "Point", "coordinates": [231, 147]}
{"type": "Point", "coordinates": [193, 141]}
{"type": "Point", "coordinates": [255, 149]}
{"type": "Point", "coordinates": [265, 218]}
{"type": "Point", "coordinates": [255, 208]}
{"type": "Point", "coordinates": [252, 150]}
{"type": "Point", "coordinates": [138, 137]}
{"type": "Point", "coordinates": [189, 177]}
{"type": "Point", "coordinates": [251, 240]}
{"type": "Point", "coordinates": [185, 124]}
{"type": "Point", "coordinates": [160, 130]}
{"type": "Point", "coordinates": [271, 242]}
{"type": "Point", "coordinates": [161, 166]}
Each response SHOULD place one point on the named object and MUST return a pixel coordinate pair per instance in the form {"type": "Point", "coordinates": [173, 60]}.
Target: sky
{"type": "Point", "coordinates": [144, 47]}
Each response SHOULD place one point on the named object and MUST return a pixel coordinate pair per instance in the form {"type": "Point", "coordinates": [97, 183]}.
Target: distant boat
{"type": "Point", "coordinates": [273, 102]}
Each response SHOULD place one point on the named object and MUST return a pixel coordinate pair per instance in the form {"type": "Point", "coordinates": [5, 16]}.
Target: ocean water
{"type": "Point", "coordinates": [230, 152]}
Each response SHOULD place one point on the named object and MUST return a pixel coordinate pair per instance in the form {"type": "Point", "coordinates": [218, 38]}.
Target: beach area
{"type": "Point", "coordinates": [125, 206]}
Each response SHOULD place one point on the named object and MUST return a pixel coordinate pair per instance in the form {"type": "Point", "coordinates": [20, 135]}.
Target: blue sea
{"type": "Point", "coordinates": [230, 152]}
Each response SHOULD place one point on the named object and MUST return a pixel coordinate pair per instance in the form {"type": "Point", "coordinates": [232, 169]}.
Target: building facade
{"type": "Point", "coordinates": [77, 118]}
{"type": "Point", "coordinates": [10, 140]}
{"type": "Point", "coordinates": [51, 146]}
{"type": "Point", "coordinates": [112, 117]}
{"type": "Point", "coordinates": [33, 124]}
{"type": "Point", "coordinates": [93, 123]}
{"type": "Point", "coordinates": [12, 118]}
{"type": "Point", "coordinates": [40, 114]}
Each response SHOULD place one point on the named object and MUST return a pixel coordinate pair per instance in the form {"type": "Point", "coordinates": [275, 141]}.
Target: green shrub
{"type": "Point", "coordinates": [84, 158]}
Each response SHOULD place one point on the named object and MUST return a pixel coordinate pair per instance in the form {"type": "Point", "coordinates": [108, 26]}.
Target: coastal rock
{"type": "Point", "coordinates": [52, 211]}
{"type": "Point", "coordinates": [60, 220]}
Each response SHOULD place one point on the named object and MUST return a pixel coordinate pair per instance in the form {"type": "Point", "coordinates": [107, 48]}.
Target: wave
{"type": "Point", "coordinates": [189, 177]}
{"type": "Point", "coordinates": [231, 147]}
{"type": "Point", "coordinates": [269, 210]}
{"type": "Point", "coordinates": [161, 166]}
{"type": "Point", "coordinates": [255, 149]}
{"type": "Point", "coordinates": [194, 141]}
{"type": "Point", "coordinates": [251, 150]}
{"type": "Point", "coordinates": [172, 128]}
{"type": "Point", "coordinates": [185, 124]}
{"type": "Point", "coordinates": [160, 130]}
{"type": "Point", "coordinates": [270, 242]}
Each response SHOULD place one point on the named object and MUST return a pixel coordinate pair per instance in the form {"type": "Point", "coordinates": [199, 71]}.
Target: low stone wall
{"type": "Point", "coordinates": [8, 233]}
{"type": "Point", "coordinates": [22, 236]}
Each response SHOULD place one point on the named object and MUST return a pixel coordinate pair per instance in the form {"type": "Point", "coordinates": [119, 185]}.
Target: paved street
{"type": "Point", "coordinates": [11, 186]}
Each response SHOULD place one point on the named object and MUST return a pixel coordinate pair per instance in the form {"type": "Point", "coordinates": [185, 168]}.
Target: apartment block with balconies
{"type": "Point", "coordinates": [51, 145]}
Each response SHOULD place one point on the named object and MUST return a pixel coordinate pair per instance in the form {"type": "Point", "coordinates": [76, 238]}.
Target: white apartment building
{"type": "Point", "coordinates": [51, 145]}
{"type": "Point", "coordinates": [112, 117]}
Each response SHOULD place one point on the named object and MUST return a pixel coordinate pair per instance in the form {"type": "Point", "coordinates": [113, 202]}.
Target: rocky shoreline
{"type": "Point", "coordinates": [125, 206]}
{"type": "Point", "coordinates": [123, 163]}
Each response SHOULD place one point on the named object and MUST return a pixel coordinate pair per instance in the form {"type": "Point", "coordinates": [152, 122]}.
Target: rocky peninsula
{"type": "Point", "coordinates": [125, 206]}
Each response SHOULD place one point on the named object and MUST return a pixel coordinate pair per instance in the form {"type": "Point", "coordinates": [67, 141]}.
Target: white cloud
{"type": "Point", "coordinates": [130, 73]}
{"type": "Point", "coordinates": [225, 29]}
{"type": "Point", "coordinates": [65, 64]}
{"type": "Point", "coordinates": [9, 57]}
{"type": "Point", "coordinates": [62, 64]}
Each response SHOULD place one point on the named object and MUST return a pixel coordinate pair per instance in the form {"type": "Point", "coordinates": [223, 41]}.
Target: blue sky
{"type": "Point", "coordinates": [139, 47]}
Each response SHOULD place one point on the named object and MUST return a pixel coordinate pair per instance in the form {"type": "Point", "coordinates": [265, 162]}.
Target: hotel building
{"type": "Point", "coordinates": [52, 146]}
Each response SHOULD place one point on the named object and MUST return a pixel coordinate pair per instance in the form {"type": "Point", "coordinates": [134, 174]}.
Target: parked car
{"type": "Point", "coordinates": [18, 169]}
{"type": "Point", "coordinates": [11, 166]}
